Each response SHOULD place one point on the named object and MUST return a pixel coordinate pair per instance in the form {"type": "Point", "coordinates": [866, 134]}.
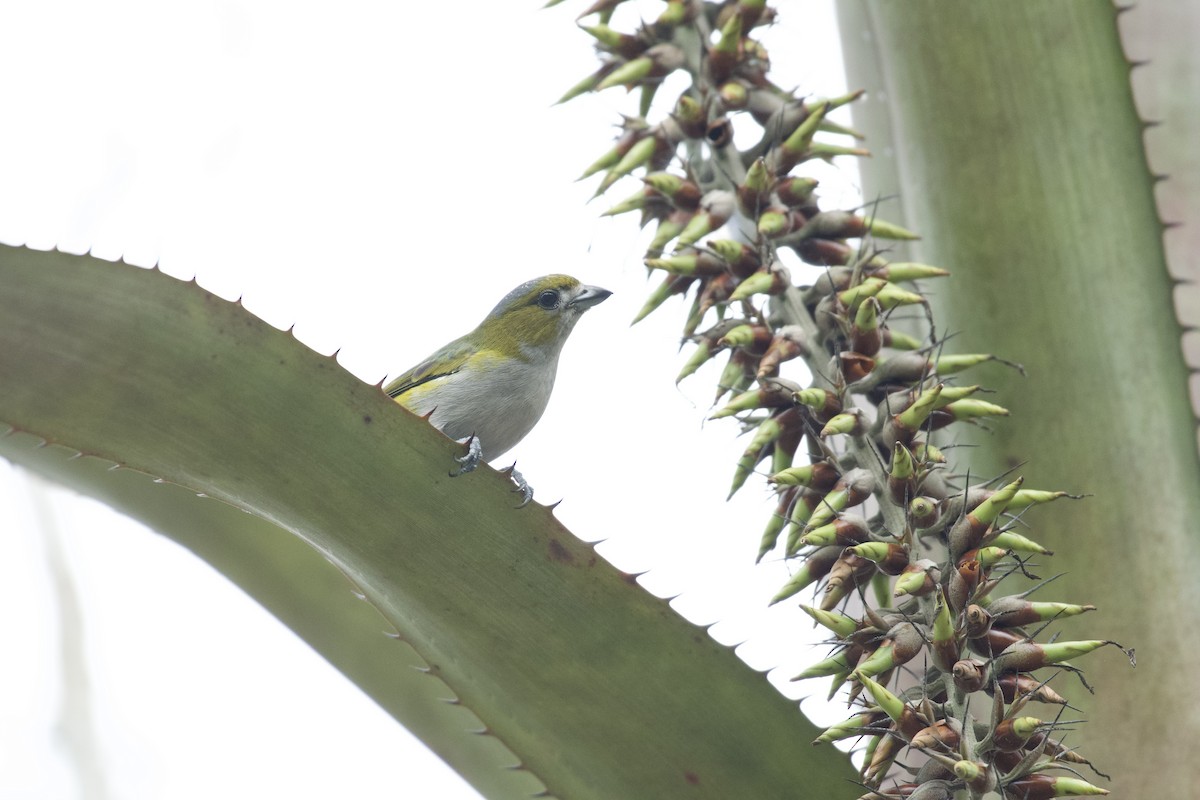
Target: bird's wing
{"type": "Point", "coordinates": [447, 361]}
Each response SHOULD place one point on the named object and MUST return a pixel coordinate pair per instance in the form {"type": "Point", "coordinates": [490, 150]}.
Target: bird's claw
{"type": "Point", "coordinates": [472, 458]}
{"type": "Point", "coordinates": [522, 485]}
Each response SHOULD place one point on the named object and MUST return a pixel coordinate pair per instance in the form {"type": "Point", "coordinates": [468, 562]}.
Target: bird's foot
{"type": "Point", "coordinates": [471, 460]}
{"type": "Point", "coordinates": [522, 485]}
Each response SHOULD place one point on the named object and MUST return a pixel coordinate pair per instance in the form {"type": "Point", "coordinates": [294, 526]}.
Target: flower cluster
{"type": "Point", "coordinates": [868, 509]}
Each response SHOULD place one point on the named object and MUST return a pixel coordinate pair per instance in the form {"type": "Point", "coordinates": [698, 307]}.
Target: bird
{"type": "Point", "coordinates": [489, 387]}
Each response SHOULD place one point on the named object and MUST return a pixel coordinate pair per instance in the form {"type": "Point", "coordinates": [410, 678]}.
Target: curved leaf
{"type": "Point", "coordinates": [599, 688]}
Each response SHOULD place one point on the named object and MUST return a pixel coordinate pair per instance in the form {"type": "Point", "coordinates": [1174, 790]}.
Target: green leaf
{"type": "Point", "coordinates": [1018, 155]}
{"type": "Point", "coordinates": [598, 688]}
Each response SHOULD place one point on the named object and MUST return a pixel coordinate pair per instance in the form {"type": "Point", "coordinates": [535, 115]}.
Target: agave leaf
{"type": "Point", "coordinates": [1019, 157]}
{"type": "Point", "coordinates": [598, 688]}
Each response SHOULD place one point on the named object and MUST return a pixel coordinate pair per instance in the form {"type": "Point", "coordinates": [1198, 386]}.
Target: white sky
{"type": "Point", "coordinates": [378, 174]}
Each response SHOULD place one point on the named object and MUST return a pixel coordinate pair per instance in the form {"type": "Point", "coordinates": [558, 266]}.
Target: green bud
{"type": "Point", "coordinates": [815, 567]}
{"type": "Point", "coordinates": [850, 727]}
{"type": "Point", "coordinates": [772, 281]}
{"type": "Point", "coordinates": [1032, 497]}
{"type": "Point", "coordinates": [848, 422]}
{"type": "Point", "coordinates": [973, 408]}
{"type": "Point", "coordinates": [835, 621]}
{"type": "Point", "coordinates": [774, 222]}
{"type": "Point", "coordinates": [775, 524]}
{"type": "Point", "coordinates": [690, 264]}
{"type": "Point", "coordinates": [795, 191]}
{"type": "Point", "coordinates": [856, 294]}
{"type": "Point", "coordinates": [1040, 785]}
{"type": "Point", "coordinates": [672, 285]}
{"type": "Point", "coordinates": [630, 72]}
{"type": "Point", "coordinates": [634, 202]}
{"type": "Point", "coordinates": [845, 531]}
{"type": "Point", "coordinates": [704, 351]}
{"type": "Point", "coordinates": [892, 296]}
{"type": "Point", "coordinates": [830, 666]}
{"type": "Point", "coordinates": [1018, 543]}
{"type": "Point", "coordinates": [906, 271]}
{"type": "Point", "coordinates": [913, 417]}
{"type": "Point", "coordinates": [584, 86]}
{"type": "Point", "coordinates": [667, 230]}
{"type": "Point", "coordinates": [892, 705]}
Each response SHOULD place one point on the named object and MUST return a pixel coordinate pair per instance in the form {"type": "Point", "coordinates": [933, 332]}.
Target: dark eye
{"type": "Point", "coordinates": [548, 300]}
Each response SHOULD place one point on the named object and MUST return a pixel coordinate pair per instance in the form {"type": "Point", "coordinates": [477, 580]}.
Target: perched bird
{"type": "Point", "coordinates": [490, 387]}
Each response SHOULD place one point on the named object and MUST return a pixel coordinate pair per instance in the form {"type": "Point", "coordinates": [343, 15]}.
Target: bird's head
{"type": "Point", "coordinates": [537, 317]}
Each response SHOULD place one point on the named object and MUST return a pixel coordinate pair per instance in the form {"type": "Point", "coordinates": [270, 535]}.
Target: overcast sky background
{"type": "Point", "coordinates": [379, 175]}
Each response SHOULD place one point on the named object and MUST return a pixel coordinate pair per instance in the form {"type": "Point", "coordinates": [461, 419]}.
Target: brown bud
{"type": "Point", "coordinates": [969, 675]}
{"type": "Point", "coordinates": [855, 366]}
{"type": "Point", "coordinates": [847, 574]}
{"type": "Point", "coordinates": [1015, 684]}
{"type": "Point", "coordinates": [994, 642]}
{"type": "Point", "coordinates": [942, 735]}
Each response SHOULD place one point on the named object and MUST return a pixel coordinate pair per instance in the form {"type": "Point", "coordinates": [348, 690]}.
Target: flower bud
{"type": "Point", "coordinates": [918, 579]}
{"type": "Point", "coordinates": [968, 532]}
{"type": "Point", "coordinates": [1040, 786]}
{"type": "Point", "coordinates": [942, 735]}
{"type": "Point", "coordinates": [902, 643]}
{"type": "Point", "coordinates": [846, 531]}
{"type": "Point", "coordinates": [854, 366]}
{"type": "Point", "coordinates": [667, 230]}
{"type": "Point", "coordinates": [796, 192]}
{"type": "Point", "coordinates": [824, 403]}
{"type": "Point", "coordinates": [1014, 611]}
{"type": "Point", "coordinates": [742, 259]}
{"type": "Point", "coordinates": [820, 476]}
{"type": "Point", "coordinates": [847, 574]}
{"type": "Point", "coordinates": [856, 725]}
{"type": "Point", "coordinates": [773, 393]}
{"type": "Point", "coordinates": [788, 342]}
{"type": "Point", "coordinates": [688, 264]}
{"type": "Point", "coordinates": [833, 665]}
{"type": "Point", "coordinates": [1026, 656]}
{"type": "Point", "coordinates": [624, 45]}
{"type": "Point", "coordinates": [1010, 735]}
{"type": "Point", "coordinates": [824, 253]}
{"type": "Point", "coordinates": [854, 487]}
{"type": "Point", "coordinates": [656, 62]}
{"type": "Point", "coordinates": [758, 449]}
{"type": "Point", "coordinates": [845, 225]}
{"type": "Point", "coordinates": [908, 720]}
{"type": "Point", "coordinates": [690, 117]}
{"type": "Point", "coordinates": [716, 207]}
{"type": "Point", "coordinates": [905, 271]}
{"type": "Point", "coordinates": [776, 523]}
{"type": "Point", "coordinates": [1014, 685]}
{"type": "Point", "coordinates": [734, 95]}
{"type": "Point", "coordinates": [891, 558]}
{"type": "Point", "coordinates": [848, 422]}
{"type": "Point", "coordinates": [774, 280]}
{"type": "Point", "coordinates": [835, 621]}
{"type": "Point", "coordinates": [671, 286]}
{"type": "Point", "coordinates": [777, 221]}
{"type": "Point", "coordinates": [1018, 543]}
{"type": "Point", "coordinates": [682, 193]}
{"type": "Point", "coordinates": [969, 676]}
{"type": "Point", "coordinates": [943, 645]}
{"type": "Point", "coordinates": [793, 150]}
{"type": "Point", "coordinates": [902, 475]}
{"type": "Point", "coordinates": [815, 567]}
{"type": "Point", "coordinates": [866, 335]}
{"type": "Point", "coordinates": [923, 511]}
